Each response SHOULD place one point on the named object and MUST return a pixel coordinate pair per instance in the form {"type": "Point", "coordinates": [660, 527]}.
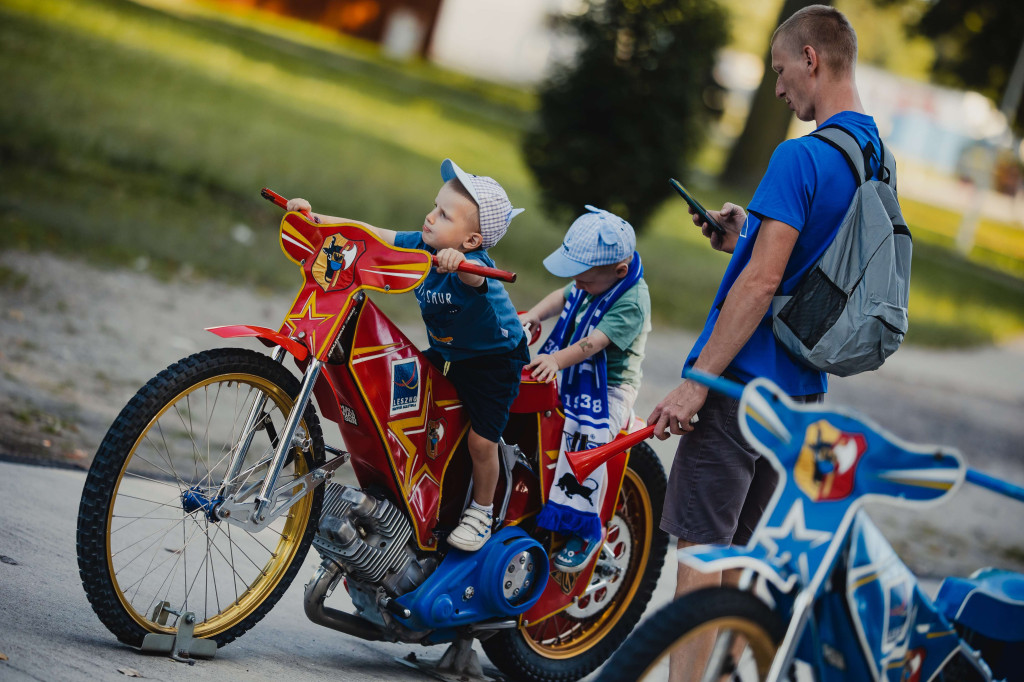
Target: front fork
{"type": "Point", "coordinates": [284, 442]}
{"type": "Point", "coordinates": [259, 510]}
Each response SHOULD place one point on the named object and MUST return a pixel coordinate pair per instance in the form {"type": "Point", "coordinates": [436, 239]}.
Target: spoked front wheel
{"type": "Point", "coordinates": [731, 632]}
{"type": "Point", "coordinates": [150, 542]}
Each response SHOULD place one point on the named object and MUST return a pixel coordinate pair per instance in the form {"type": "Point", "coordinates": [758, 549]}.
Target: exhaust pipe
{"type": "Point", "coordinates": [316, 611]}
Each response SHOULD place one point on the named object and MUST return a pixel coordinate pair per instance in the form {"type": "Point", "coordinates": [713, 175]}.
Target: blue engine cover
{"type": "Point", "coordinates": [469, 587]}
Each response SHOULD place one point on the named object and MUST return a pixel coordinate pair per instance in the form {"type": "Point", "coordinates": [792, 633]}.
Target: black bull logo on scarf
{"type": "Point", "coordinates": [571, 487]}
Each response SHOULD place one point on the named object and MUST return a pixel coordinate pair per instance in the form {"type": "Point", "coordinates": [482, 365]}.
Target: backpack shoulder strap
{"type": "Point", "coordinates": [887, 172]}
{"type": "Point", "coordinates": [844, 141]}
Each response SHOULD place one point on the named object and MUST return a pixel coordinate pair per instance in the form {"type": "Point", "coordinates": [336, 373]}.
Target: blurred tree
{"type": "Point", "coordinates": [631, 110]}
{"type": "Point", "coordinates": [977, 43]}
{"type": "Point", "coordinates": [767, 122]}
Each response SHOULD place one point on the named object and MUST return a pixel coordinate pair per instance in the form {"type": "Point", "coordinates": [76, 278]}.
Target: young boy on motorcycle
{"type": "Point", "coordinates": [597, 345]}
{"type": "Point", "coordinates": [475, 337]}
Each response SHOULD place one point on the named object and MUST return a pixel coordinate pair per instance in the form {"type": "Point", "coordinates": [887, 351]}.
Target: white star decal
{"type": "Point", "coordinates": [796, 531]}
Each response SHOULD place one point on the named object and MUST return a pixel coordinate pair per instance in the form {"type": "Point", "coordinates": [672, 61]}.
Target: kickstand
{"type": "Point", "coordinates": [459, 663]}
{"type": "Point", "coordinates": [181, 646]}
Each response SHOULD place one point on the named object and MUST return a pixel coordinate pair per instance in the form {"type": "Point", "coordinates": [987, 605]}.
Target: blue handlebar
{"type": "Point", "coordinates": [720, 384]}
{"type": "Point", "coordinates": [995, 485]}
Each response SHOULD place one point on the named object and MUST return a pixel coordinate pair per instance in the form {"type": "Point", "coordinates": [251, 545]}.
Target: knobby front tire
{"type": "Point", "coordinates": [144, 536]}
{"type": "Point", "coordinates": [701, 614]}
{"type": "Point", "coordinates": [573, 643]}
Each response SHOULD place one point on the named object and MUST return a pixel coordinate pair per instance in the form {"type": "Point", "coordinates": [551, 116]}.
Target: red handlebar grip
{"type": "Point", "coordinates": [484, 271]}
{"type": "Point", "coordinates": [278, 200]}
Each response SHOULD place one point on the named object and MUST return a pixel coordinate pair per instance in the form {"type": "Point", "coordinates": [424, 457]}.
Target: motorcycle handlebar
{"type": "Point", "coordinates": [278, 200]}
{"type": "Point", "coordinates": [482, 270]}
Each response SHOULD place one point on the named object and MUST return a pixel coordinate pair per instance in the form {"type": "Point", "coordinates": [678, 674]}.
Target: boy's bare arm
{"type": "Point", "coordinates": [545, 367]}
{"type": "Point", "coordinates": [298, 204]}
{"type": "Point", "coordinates": [549, 306]}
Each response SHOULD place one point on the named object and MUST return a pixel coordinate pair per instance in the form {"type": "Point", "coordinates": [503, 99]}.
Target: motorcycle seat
{"type": "Point", "coordinates": [535, 396]}
{"type": "Point", "coordinates": [990, 602]}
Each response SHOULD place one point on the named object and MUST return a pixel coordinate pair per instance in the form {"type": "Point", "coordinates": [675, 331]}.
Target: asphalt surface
{"type": "Point", "coordinates": [48, 630]}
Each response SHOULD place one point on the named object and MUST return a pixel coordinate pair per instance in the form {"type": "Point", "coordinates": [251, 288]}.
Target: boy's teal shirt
{"type": "Point", "coordinates": [463, 322]}
{"type": "Point", "coordinates": [626, 324]}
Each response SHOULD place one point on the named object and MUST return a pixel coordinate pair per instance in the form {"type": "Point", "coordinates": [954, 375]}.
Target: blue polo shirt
{"type": "Point", "coordinates": [463, 321]}
{"type": "Point", "coordinates": [809, 186]}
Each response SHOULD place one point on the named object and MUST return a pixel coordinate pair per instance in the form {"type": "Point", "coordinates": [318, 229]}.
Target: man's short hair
{"type": "Point", "coordinates": [827, 30]}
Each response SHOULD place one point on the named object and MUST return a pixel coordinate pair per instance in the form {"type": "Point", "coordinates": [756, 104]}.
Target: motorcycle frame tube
{"type": "Point", "coordinates": [801, 611]}
{"type": "Point", "coordinates": [285, 439]}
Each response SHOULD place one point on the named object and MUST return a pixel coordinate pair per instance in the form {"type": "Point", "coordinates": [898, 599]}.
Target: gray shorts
{"type": "Point", "coordinates": [719, 485]}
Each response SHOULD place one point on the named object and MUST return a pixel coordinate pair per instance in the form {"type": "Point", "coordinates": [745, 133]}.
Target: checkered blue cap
{"type": "Point", "coordinates": [496, 210]}
{"type": "Point", "coordinates": [595, 238]}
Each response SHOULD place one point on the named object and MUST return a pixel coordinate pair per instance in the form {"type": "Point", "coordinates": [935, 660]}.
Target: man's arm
{"type": "Point", "coordinates": [744, 307]}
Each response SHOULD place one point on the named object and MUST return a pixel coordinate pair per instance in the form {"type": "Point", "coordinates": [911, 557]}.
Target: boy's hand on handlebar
{"type": "Point", "coordinates": [544, 367]}
{"type": "Point", "coordinates": [529, 321]}
{"type": "Point", "coordinates": [448, 260]}
{"type": "Point", "coordinates": [298, 204]}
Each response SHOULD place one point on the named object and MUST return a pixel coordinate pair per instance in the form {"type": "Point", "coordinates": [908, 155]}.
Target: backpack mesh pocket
{"type": "Point", "coordinates": [815, 306]}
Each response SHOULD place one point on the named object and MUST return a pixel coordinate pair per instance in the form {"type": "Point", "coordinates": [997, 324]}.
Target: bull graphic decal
{"type": "Point", "coordinates": [332, 269]}
{"type": "Point", "coordinates": [570, 486]}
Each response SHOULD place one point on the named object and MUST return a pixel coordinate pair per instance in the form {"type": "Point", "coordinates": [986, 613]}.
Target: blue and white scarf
{"type": "Point", "coordinates": [572, 508]}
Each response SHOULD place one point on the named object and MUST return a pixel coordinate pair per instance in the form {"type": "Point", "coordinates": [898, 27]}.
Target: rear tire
{"type": "Point", "coordinates": [141, 538]}
{"type": "Point", "coordinates": [573, 643]}
{"type": "Point", "coordinates": [717, 609]}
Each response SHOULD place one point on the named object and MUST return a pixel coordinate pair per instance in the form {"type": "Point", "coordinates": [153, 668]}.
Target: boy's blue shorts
{"type": "Point", "coordinates": [487, 385]}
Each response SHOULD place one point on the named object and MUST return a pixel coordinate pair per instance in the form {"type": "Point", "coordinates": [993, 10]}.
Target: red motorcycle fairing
{"type": "Point", "coordinates": [409, 429]}
{"type": "Point", "coordinates": [337, 262]}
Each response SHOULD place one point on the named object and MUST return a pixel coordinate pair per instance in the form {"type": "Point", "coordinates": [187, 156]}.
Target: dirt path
{"type": "Point", "coordinates": [76, 342]}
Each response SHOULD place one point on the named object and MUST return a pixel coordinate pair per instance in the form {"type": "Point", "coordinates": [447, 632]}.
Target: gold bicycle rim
{"type": "Point", "coordinates": [758, 641]}
{"type": "Point", "coordinates": [281, 556]}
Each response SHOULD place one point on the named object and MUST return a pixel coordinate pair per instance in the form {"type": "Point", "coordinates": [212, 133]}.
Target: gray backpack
{"type": "Point", "coordinates": [849, 313]}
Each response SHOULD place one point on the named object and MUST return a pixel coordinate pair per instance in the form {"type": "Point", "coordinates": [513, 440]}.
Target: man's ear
{"type": "Point", "coordinates": [621, 270]}
{"type": "Point", "coordinates": [810, 55]}
{"type": "Point", "coordinates": [473, 241]}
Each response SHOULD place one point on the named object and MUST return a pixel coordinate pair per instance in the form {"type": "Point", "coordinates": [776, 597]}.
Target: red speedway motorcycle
{"type": "Point", "coordinates": [214, 480]}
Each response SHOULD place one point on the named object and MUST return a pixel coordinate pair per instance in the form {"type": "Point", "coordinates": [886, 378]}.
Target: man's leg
{"type": "Point", "coordinates": [686, 662]}
{"type": "Point", "coordinates": [708, 486]}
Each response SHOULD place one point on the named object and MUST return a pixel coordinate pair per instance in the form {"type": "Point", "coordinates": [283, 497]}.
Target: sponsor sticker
{"type": "Point", "coordinates": [405, 386]}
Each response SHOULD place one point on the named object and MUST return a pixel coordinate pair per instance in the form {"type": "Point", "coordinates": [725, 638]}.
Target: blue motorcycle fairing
{"type": "Point", "coordinates": [829, 462]}
{"type": "Point", "coordinates": [898, 627]}
{"type": "Point", "coordinates": [467, 586]}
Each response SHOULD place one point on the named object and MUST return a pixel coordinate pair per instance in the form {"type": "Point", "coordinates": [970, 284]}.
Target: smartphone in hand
{"type": "Point", "coordinates": [695, 205]}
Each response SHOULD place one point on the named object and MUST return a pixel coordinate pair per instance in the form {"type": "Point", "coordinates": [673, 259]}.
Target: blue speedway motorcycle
{"type": "Point", "coordinates": [822, 596]}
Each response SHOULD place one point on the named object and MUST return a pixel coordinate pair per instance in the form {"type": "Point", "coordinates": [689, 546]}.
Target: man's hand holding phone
{"type": "Point", "coordinates": [721, 227]}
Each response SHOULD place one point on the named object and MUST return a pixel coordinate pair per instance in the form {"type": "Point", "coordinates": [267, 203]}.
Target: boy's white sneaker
{"type": "Point", "coordinates": [473, 531]}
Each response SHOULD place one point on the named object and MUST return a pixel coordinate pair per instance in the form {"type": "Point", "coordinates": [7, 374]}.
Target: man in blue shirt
{"type": "Point", "coordinates": [719, 485]}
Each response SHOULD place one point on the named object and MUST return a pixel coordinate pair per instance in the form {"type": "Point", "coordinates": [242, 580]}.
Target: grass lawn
{"type": "Point", "coordinates": [140, 134]}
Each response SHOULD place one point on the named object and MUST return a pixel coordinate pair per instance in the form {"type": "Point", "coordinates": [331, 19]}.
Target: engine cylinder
{"type": "Point", "coordinates": [369, 538]}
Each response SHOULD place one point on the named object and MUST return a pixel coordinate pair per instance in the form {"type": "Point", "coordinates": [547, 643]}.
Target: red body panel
{"type": "Point", "coordinates": [535, 396]}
